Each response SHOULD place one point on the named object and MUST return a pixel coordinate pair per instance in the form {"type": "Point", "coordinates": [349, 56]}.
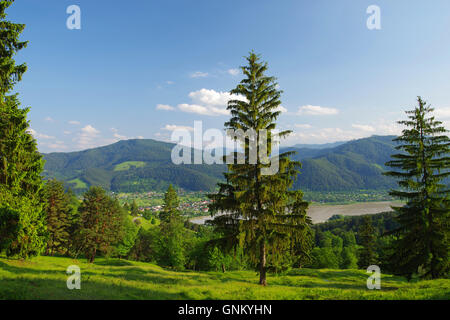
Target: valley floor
{"type": "Point", "coordinates": [322, 212]}
{"type": "Point", "coordinates": [45, 278]}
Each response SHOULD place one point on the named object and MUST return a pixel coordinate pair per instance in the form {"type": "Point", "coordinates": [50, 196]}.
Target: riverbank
{"type": "Point", "coordinates": [321, 213]}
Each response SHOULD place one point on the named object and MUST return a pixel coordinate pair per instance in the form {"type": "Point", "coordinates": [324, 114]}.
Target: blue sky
{"type": "Point", "coordinates": [143, 68]}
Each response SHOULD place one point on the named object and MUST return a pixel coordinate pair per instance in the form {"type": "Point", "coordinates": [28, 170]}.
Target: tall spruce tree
{"type": "Point", "coordinates": [171, 250]}
{"type": "Point", "coordinates": [171, 203]}
{"type": "Point", "coordinates": [102, 222]}
{"type": "Point", "coordinates": [422, 246]}
{"type": "Point", "coordinates": [260, 211]}
{"type": "Point", "coordinates": [367, 253]}
{"type": "Point", "coordinates": [20, 162]}
{"type": "Point", "coordinates": [57, 208]}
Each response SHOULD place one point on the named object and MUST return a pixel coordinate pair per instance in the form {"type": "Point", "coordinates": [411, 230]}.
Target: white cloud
{"type": "Point", "coordinates": [38, 135]}
{"type": "Point", "coordinates": [442, 113]}
{"type": "Point", "coordinates": [282, 109]}
{"type": "Point", "coordinates": [193, 108]}
{"type": "Point", "coordinates": [233, 72]}
{"type": "Point", "coordinates": [363, 127]}
{"type": "Point", "coordinates": [67, 132]}
{"type": "Point", "coordinates": [210, 97]}
{"type": "Point", "coordinates": [49, 119]}
{"type": "Point", "coordinates": [90, 130]}
{"type": "Point", "coordinates": [388, 127]}
{"type": "Point", "coordinates": [199, 74]}
{"type": "Point", "coordinates": [57, 145]}
{"type": "Point", "coordinates": [303, 126]}
{"type": "Point", "coordinates": [74, 122]}
{"type": "Point", "coordinates": [317, 111]}
{"type": "Point", "coordinates": [120, 137]}
{"type": "Point", "coordinates": [209, 102]}
{"type": "Point", "coordinates": [324, 135]}
{"type": "Point", "coordinates": [173, 127]}
{"type": "Point", "coordinates": [164, 107]}
{"type": "Point", "coordinates": [87, 137]}
{"type": "Point", "coordinates": [170, 82]}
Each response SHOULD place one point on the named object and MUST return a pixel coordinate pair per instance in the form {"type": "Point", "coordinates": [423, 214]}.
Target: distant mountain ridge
{"type": "Point", "coordinates": [354, 165]}
{"type": "Point", "coordinates": [145, 164]}
{"type": "Point", "coordinates": [319, 146]}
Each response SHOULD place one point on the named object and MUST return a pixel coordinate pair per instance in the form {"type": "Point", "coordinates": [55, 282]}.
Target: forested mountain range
{"type": "Point", "coordinates": [145, 164]}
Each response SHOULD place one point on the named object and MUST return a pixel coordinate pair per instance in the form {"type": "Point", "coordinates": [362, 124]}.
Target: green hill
{"type": "Point", "coordinates": [45, 278]}
{"type": "Point", "coordinates": [130, 166]}
{"type": "Point", "coordinates": [355, 165]}
{"type": "Point", "coordinates": [143, 165]}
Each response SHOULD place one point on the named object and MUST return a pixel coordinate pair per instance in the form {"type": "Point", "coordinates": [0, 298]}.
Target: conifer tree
{"type": "Point", "coordinates": [134, 209]}
{"type": "Point", "coordinates": [422, 245]}
{"type": "Point", "coordinates": [171, 203]}
{"type": "Point", "coordinates": [102, 221]}
{"type": "Point", "coordinates": [57, 208]}
{"type": "Point", "coordinates": [261, 212]}
{"type": "Point", "coordinates": [20, 162]}
{"type": "Point", "coordinates": [367, 254]}
{"type": "Point", "coordinates": [171, 251]}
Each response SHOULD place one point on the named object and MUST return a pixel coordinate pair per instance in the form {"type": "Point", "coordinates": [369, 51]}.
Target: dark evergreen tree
{"type": "Point", "coordinates": [367, 254]}
{"type": "Point", "coordinates": [171, 250]}
{"type": "Point", "coordinates": [144, 248]}
{"type": "Point", "coordinates": [171, 203]}
{"type": "Point", "coordinates": [422, 246]}
{"type": "Point", "coordinates": [57, 209]}
{"type": "Point", "coordinates": [261, 210]}
{"type": "Point", "coordinates": [21, 164]}
{"type": "Point", "coordinates": [134, 209]}
{"type": "Point", "coordinates": [101, 223]}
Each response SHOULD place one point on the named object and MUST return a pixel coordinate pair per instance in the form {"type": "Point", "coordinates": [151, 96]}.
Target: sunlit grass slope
{"type": "Point", "coordinates": [45, 278]}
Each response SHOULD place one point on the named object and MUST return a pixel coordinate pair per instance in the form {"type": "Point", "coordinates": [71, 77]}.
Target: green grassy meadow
{"type": "Point", "coordinates": [45, 278]}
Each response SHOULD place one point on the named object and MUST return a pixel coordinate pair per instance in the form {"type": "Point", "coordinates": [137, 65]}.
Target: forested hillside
{"type": "Point", "coordinates": [354, 165]}
{"type": "Point", "coordinates": [143, 165]}
{"type": "Point", "coordinates": [129, 166]}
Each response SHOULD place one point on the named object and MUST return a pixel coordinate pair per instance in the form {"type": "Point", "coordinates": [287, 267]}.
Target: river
{"type": "Point", "coordinates": [321, 213]}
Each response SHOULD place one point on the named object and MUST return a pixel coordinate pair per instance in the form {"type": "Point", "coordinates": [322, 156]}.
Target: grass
{"type": "Point", "coordinates": [124, 166]}
{"type": "Point", "coordinates": [144, 223]}
{"type": "Point", "coordinates": [45, 278]}
{"type": "Point", "coordinates": [79, 184]}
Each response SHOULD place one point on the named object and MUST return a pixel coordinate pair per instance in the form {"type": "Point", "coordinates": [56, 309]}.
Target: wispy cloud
{"type": "Point", "coordinates": [233, 72]}
{"type": "Point", "coordinates": [316, 111]}
{"type": "Point", "coordinates": [173, 127]}
{"type": "Point", "coordinates": [38, 135]}
{"type": "Point", "coordinates": [442, 113]}
{"type": "Point", "coordinates": [199, 74]}
{"type": "Point", "coordinates": [282, 109]}
{"type": "Point", "coordinates": [74, 122]}
{"type": "Point", "coordinates": [87, 137]}
{"type": "Point", "coordinates": [303, 126]}
{"type": "Point", "coordinates": [164, 107]}
{"type": "Point", "coordinates": [363, 127]}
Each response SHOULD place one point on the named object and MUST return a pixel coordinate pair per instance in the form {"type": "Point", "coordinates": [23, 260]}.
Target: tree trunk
{"type": "Point", "coordinates": [92, 258]}
{"type": "Point", "coordinates": [262, 264]}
